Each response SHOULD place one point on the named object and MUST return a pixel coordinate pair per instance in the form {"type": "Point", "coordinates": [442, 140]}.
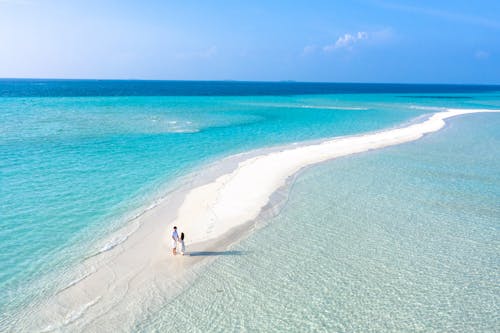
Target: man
{"type": "Point", "coordinates": [175, 239]}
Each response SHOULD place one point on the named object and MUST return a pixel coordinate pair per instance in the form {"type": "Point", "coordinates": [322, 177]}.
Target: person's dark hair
{"type": "Point", "coordinates": [182, 236]}
{"type": "Point", "coordinates": [175, 227]}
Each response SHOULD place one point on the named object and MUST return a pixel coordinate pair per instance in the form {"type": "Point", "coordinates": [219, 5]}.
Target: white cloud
{"type": "Point", "coordinates": [481, 55]}
{"type": "Point", "coordinates": [309, 49]}
{"type": "Point", "coordinates": [346, 41]}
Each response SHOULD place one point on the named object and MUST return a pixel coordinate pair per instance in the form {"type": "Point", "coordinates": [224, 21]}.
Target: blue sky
{"type": "Point", "coordinates": [337, 41]}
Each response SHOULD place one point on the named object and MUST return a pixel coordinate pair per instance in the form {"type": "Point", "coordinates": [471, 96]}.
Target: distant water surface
{"type": "Point", "coordinates": [75, 88]}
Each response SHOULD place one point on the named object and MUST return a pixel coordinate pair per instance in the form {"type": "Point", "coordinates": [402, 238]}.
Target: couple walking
{"type": "Point", "coordinates": [177, 240]}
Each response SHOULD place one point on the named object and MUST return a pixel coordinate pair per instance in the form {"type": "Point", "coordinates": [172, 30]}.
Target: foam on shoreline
{"type": "Point", "coordinates": [214, 211]}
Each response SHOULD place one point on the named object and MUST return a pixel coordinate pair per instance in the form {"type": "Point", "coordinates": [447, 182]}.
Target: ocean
{"type": "Point", "coordinates": [404, 238]}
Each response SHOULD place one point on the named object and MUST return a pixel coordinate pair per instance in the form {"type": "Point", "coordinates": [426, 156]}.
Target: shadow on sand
{"type": "Point", "coordinates": [216, 253]}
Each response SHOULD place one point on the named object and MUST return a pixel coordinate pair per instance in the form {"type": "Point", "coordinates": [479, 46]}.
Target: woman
{"type": "Point", "coordinates": [183, 247]}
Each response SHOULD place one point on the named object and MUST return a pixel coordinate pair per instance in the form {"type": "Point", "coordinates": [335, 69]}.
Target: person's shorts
{"type": "Point", "coordinates": [174, 244]}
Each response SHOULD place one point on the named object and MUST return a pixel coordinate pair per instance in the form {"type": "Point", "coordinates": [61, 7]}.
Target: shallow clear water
{"type": "Point", "coordinates": [75, 166]}
{"type": "Point", "coordinates": [401, 239]}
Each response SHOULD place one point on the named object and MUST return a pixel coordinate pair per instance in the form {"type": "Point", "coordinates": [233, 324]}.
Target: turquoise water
{"type": "Point", "coordinates": [403, 239]}
{"type": "Point", "coordinates": [73, 169]}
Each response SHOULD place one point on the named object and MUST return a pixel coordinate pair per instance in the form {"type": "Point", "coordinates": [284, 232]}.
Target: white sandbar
{"type": "Point", "coordinates": [140, 273]}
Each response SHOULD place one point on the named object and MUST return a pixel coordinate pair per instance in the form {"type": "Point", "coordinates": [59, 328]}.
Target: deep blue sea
{"type": "Point", "coordinates": [79, 158]}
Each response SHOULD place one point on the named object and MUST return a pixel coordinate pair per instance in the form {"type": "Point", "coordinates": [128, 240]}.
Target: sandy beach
{"type": "Point", "coordinates": [218, 207]}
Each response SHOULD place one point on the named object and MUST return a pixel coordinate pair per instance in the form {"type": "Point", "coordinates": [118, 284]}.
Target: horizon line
{"type": "Point", "coordinates": [245, 81]}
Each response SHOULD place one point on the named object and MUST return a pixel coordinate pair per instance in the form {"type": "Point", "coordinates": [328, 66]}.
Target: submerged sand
{"type": "Point", "coordinates": [217, 208]}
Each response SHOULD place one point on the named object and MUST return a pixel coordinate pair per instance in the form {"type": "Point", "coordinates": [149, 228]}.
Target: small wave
{"type": "Point", "coordinates": [332, 107]}
{"type": "Point", "coordinates": [429, 108]}
{"type": "Point", "coordinates": [305, 106]}
{"type": "Point", "coordinates": [176, 126]}
{"type": "Point", "coordinates": [72, 316]}
{"type": "Point", "coordinates": [79, 279]}
{"type": "Point", "coordinates": [113, 243]}
{"type": "Point", "coordinates": [436, 96]}
{"type": "Point", "coordinates": [184, 130]}
{"type": "Point", "coordinates": [119, 238]}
